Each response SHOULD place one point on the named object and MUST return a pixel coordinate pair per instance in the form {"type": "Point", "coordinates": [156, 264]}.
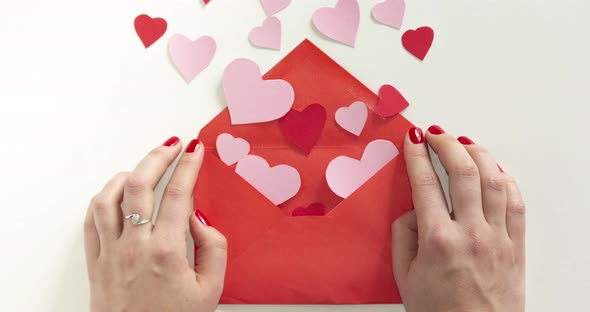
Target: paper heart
{"type": "Point", "coordinates": [278, 183]}
{"type": "Point", "coordinates": [340, 23]}
{"type": "Point", "coordinates": [304, 128]}
{"type": "Point", "coordinates": [419, 41]}
{"type": "Point", "coordinates": [353, 117]}
{"type": "Point", "coordinates": [268, 35]}
{"type": "Point", "coordinates": [271, 7]}
{"type": "Point", "coordinates": [316, 209]}
{"type": "Point", "coordinates": [390, 13]}
{"type": "Point", "coordinates": [149, 29]}
{"type": "Point", "coordinates": [230, 149]}
{"type": "Point", "coordinates": [206, 1]}
{"type": "Point", "coordinates": [191, 57]}
{"type": "Point", "coordinates": [345, 175]}
{"type": "Point", "coordinates": [391, 102]}
{"type": "Point", "coordinates": [251, 99]}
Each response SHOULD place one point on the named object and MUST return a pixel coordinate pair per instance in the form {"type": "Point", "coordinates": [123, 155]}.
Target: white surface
{"type": "Point", "coordinates": [81, 100]}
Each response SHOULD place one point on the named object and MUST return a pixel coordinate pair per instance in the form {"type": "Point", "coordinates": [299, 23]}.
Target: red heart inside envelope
{"type": "Point", "coordinates": [315, 209]}
{"type": "Point", "coordinates": [304, 128]}
{"type": "Point", "coordinates": [391, 102]}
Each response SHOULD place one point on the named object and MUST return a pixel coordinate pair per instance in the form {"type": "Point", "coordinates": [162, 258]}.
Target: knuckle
{"type": "Point", "coordinates": [163, 254]}
{"type": "Point", "coordinates": [425, 179]}
{"type": "Point", "coordinates": [89, 226]}
{"type": "Point", "coordinates": [495, 182]}
{"type": "Point", "coordinates": [517, 207]}
{"type": "Point", "coordinates": [440, 239]}
{"type": "Point", "coordinates": [175, 191]}
{"type": "Point", "coordinates": [466, 171]}
{"type": "Point", "coordinates": [100, 204]}
{"type": "Point", "coordinates": [135, 185]}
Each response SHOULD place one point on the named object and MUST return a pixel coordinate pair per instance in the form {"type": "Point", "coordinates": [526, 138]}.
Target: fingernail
{"type": "Point", "coordinates": [192, 146]}
{"type": "Point", "coordinates": [416, 135]}
{"type": "Point", "coordinates": [171, 141]}
{"type": "Point", "coordinates": [465, 140]}
{"type": "Point", "coordinates": [436, 130]}
{"type": "Point", "coordinates": [202, 218]}
{"type": "Point", "coordinates": [501, 170]}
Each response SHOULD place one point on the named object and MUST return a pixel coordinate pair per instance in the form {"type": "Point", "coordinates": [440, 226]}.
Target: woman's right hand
{"type": "Point", "coordinates": [473, 259]}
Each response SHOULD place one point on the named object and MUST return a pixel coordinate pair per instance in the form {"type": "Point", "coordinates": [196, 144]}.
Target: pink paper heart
{"type": "Point", "coordinates": [345, 175]}
{"type": "Point", "coordinates": [390, 12]}
{"type": "Point", "coordinates": [353, 117]}
{"type": "Point", "coordinates": [268, 35]}
{"type": "Point", "coordinates": [251, 99]}
{"type": "Point", "coordinates": [271, 7]}
{"type": "Point", "coordinates": [340, 23]}
{"type": "Point", "coordinates": [278, 183]}
{"type": "Point", "coordinates": [230, 149]}
{"type": "Point", "coordinates": [191, 57]}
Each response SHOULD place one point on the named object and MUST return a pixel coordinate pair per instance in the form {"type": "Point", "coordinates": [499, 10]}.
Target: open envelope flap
{"type": "Point", "coordinates": [251, 222]}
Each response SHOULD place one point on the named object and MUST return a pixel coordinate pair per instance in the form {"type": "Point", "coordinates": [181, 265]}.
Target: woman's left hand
{"type": "Point", "coordinates": [144, 267]}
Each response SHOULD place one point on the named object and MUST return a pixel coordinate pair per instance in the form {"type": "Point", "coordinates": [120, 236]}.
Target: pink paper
{"type": "Point", "coordinates": [251, 99]}
{"type": "Point", "coordinates": [191, 57]}
{"type": "Point", "coordinates": [390, 13]}
{"type": "Point", "coordinates": [353, 118]}
{"type": "Point", "coordinates": [230, 149]}
{"type": "Point", "coordinates": [340, 23]}
{"type": "Point", "coordinates": [278, 183]}
{"type": "Point", "coordinates": [271, 7]}
{"type": "Point", "coordinates": [345, 175]}
{"type": "Point", "coordinates": [268, 35]}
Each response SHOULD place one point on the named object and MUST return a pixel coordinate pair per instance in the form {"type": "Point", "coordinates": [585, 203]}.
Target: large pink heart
{"type": "Point", "coordinates": [390, 12]}
{"type": "Point", "coordinates": [271, 7]}
{"type": "Point", "coordinates": [191, 57]}
{"type": "Point", "coordinates": [268, 35]}
{"type": "Point", "coordinates": [251, 99]}
{"type": "Point", "coordinates": [230, 149]}
{"type": "Point", "coordinates": [340, 23]}
{"type": "Point", "coordinates": [278, 183]}
{"type": "Point", "coordinates": [345, 175]}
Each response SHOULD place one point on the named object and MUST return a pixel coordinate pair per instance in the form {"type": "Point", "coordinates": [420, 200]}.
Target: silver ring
{"type": "Point", "coordinates": [135, 217]}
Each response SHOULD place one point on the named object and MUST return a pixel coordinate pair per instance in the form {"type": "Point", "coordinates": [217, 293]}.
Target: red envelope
{"type": "Point", "coordinates": [341, 258]}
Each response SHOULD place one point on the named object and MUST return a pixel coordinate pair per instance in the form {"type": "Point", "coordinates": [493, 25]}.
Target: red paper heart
{"type": "Point", "coordinates": [150, 29]}
{"type": "Point", "coordinates": [304, 128]}
{"type": "Point", "coordinates": [316, 209]}
{"type": "Point", "coordinates": [391, 102]}
{"type": "Point", "coordinates": [418, 41]}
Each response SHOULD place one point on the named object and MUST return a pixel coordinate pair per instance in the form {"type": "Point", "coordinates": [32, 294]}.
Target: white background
{"type": "Point", "coordinates": [81, 99]}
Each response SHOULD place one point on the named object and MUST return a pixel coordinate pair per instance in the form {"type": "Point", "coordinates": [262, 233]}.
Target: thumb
{"type": "Point", "coordinates": [405, 244]}
{"type": "Point", "coordinates": [211, 255]}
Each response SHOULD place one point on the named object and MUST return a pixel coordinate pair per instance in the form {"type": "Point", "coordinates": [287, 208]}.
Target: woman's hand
{"type": "Point", "coordinates": [474, 259]}
{"type": "Point", "coordinates": [144, 267]}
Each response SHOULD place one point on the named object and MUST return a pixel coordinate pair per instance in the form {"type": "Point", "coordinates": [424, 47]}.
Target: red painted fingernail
{"type": "Point", "coordinates": [501, 170]}
{"type": "Point", "coordinates": [171, 141]}
{"type": "Point", "coordinates": [436, 130]}
{"type": "Point", "coordinates": [465, 140]}
{"type": "Point", "coordinates": [202, 218]}
{"type": "Point", "coordinates": [192, 146]}
{"type": "Point", "coordinates": [416, 135]}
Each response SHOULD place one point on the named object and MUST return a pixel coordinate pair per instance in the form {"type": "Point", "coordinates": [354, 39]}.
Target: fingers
{"type": "Point", "coordinates": [405, 245]}
{"type": "Point", "coordinates": [175, 208]}
{"type": "Point", "coordinates": [211, 258]}
{"type": "Point", "coordinates": [139, 189]}
{"type": "Point", "coordinates": [427, 194]}
{"type": "Point", "coordinates": [106, 208]}
{"type": "Point", "coordinates": [515, 214]}
{"type": "Point", "coordinates": [464, 179]}
{"type": "Point", "coordinates": [493, 183]}
{"type": "Point", "coordinates": [91, 239]}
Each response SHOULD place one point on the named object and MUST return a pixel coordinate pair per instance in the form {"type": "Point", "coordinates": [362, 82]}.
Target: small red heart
{"type": "Point", "coordinates": [150, 29]}
{"type": "Point", "coordinates": [391, 102]}
{"type": "Point", "coordinates": [304, 128]}
{"type": "Point", "coordinates": [316, 209]}
{"type": "Point", "coordinates": [418, 41]}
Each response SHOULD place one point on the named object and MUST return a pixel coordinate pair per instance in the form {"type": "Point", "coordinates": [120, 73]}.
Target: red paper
{"type": "Point", "coordinates": [343, 257]}
{"type": "Point", "coordinates": [149, 29]}
{"type": "Point", "coordinates": [304, 128]}
{"type": "Point", "coordinates": [391, 102]}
